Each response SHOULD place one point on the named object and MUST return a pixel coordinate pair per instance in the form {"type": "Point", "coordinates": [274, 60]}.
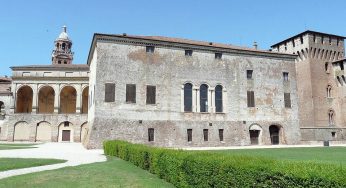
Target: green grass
{"type": "Point", "coordinates": [331, 155]}
{"type": "Point", "coordinates": [112, 173]}
{"type": "Point", "coordinates": [4, 146]}
{"type": "Point", "coordinates": [16, 163]}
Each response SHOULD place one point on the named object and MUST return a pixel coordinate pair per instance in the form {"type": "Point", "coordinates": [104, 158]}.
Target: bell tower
{"type": "Point", "coordinates": [62, 53]}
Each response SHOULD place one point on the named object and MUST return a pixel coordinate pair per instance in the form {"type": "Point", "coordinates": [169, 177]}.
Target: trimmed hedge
{"type": "Point", "coordinates": [207, 169]}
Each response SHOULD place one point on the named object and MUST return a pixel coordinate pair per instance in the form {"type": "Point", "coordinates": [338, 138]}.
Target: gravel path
{"type": "Point", "coordinates": [74, 153]}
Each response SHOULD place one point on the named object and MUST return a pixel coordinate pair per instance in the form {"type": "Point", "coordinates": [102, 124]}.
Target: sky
{"type": "Point", "coordinates": [28, 28]}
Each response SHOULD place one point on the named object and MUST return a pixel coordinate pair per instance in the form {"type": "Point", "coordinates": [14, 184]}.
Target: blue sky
{"type": "Point", "coordinates": [29, 28]}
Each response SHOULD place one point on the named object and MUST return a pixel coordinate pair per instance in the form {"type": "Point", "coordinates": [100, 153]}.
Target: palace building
{"type": "Point", "coordinates": [175, 92]}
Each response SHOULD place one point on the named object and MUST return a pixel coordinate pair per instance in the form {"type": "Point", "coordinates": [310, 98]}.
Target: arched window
{"type": "Point", "coordinates": [326, 66]}
{"type": "Point", "coordinates": [329, 91]}
{"type": "Point", "coordinates": [85, 96]}
{"type": "Point", "coordinates": [188, 97]}
{"type": "Point", "coordinates": [46, 100]}
{"type": "Point", "coordinates": [24, 100]}
{"type": "Point", "coordinates": [203, 96]}
{"type": "Point", "coordinates": [331, 117]}
{"type": "Point", "coordinates": [63, 46]}
{"type": "Point", "coordinates": [218, 99]}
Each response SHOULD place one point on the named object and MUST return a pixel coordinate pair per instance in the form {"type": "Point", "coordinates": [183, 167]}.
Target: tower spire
{"type": "Point", "coordinates": [62, 53]}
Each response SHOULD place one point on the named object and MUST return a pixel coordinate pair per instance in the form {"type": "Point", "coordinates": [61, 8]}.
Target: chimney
{"type": "Point", "coordinates": [255, 45]}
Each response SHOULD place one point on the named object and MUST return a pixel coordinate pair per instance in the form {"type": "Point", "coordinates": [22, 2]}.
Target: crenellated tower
{"type": "Point", "coordinates": [62, 53]}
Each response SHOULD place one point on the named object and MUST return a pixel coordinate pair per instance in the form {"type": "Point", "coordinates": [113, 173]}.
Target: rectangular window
{"type": "Point", "coordinates": [287, 99]}
{"type": "Point", "coordinates": [342, 65]}
{"type": "Point", "coordinates": [189, 135]}
{"type": "Point", "coordinates": [218, 55]}
{"type": "Point", "coordinates": [66, 124]}
{"type": "Point", "coordinates": [221, 134]}
{"type": "Point", "coordinates": [109, 92]}
{"type": "Point", "coordinates": [322, 39]}
{"type": "Point", "coordinates": [151, 134]}
{"type": "Point", "coordinates": [301, 40]}
{"type": "Point", "coordinates": [205, 134]}
{"type": "Point", "coordinates": [250, 99]}
{"type": "Point", "coordinates": [249, 74]}
{"type": "Point", "coordinates": [130, 93]}
{"type": "Point", "coordinates": [285, 76]}
{"type": "Point", "coordinates": [293, 43]}
{"type": "Point", "coordinates": [188, 52]}
{"type": "Point", "coordinates": [151, 94]}
{"type": "Point", "coordinates": [330, 40]}
{"type": "Point", "coordinates": [150, 49]}
{"type": "Point", "coordinates": [314, 38]}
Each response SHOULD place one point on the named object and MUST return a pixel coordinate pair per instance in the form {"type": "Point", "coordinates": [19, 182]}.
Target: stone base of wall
{"type": "Point", "coordinates": [323, 134]}
{"type": "Point", "coordinates": [174, 133]}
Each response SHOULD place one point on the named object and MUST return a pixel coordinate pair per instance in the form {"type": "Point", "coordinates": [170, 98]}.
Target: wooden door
{"type": "Point", "coordinates": [66, 135]}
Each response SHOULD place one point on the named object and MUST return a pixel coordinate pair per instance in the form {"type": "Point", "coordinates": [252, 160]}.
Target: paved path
{"type": "Point", "coordinates": [74, 153]}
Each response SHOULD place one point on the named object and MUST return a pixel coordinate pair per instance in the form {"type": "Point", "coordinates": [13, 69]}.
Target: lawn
{"type": "Point", "coordinates": [112, 173]}
{"type": "Point", "coordinates": [15, 163]}
{"type": "Point", "coordinates": [334, 155]}
{"type": "Point", "coordinates": [4, 146]}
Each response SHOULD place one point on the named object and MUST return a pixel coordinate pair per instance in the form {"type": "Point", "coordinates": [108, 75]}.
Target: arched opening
{"type": "Point", "coordinates": [65, 132]}
{"type": "Point", "coordinates": [203, 96]}
{"type": "Point", "coordinates": [21, 131]}
{"type": "Point", "coordinates": [188, 97]}
{"type": "Point", "coordinates": [43, 132]}
{"type": "Point", "coordinates": [329, 91]}
{"type": "Point", "coordinates": [218, 99]}
{"type": "Point", "coordinates": [83, 132]}
{"type": "Point", "coordinates": [63, 46]}
{"type": "Point", "coordinates": [331, 115]}
{"type": "Point", "coordinates": [255, 132]}
{"type": "Point", "coordinates": [68, 100]}
{"type": "Point", "coordinates": [24, 100]}
{"type": "Point", "coordinates": [46, 100]}
{"type": "Point", "coordinates": [274, 132]}
{"type": "Point", "coordinates": [85, 96]}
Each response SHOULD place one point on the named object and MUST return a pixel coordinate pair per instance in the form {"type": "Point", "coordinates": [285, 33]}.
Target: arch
{"type": "Point", "coordinates": [46, 97]}
{"type": "Point", "coordinates": [68, 96]}
{"type": "Point", "coordinates": [203, 98]}
{"type": "Point", "coordinates": [83, 131]}
{"type": "Point", "coordinates": [218, 98]}
{"type": "Point", "coordinates": [63, 46]}
{"type": "Point", "coordinates": [274, 132]}
{"type": "Point", "coordinates": [329, 91]}
{"type": "Point", "coordinates": [65, 132]}
{"type": "Point", "coordinates": [255, 132]}
{"type": "Point", "coordinates": [21, 131]}
{"type": "Point", "coordinates": [331, 117]}
{"type": "Point", "coordinates": [43, 132]}
{"type": "Point", "coordinates": [24, 99]}
{"type": "Point", "coordinates": [187, 97]}
{"type": "Point", "coordinates": [85, 96]}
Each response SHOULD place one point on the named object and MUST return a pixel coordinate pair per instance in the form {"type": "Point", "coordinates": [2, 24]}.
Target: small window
{"type": "Point", "coordinates": [287, 99]}
{"type": "Point", "coordinates": [249, 74]}
{"type": "Point", "coordinates": [130, 93]}
{"type": "Point", "coordinates": [285, 76]}
{"type": "Point", "coordinates": [59, 62]}
{"type": "Point", "coordinates": [326, 66]}
{"type": "Point", "coordinates": [151, 94]}
{"type": "Point", "coordinates": [293, 43]}
{"type": "Point", "coordinates": [205, 134]}
{"type": "Point", "coordinates": [188, 52]}
{"type": "Point", "coordinates": [189, 135]}
{"type": "Point", "coordinates": [330, 40]}
{"type": "Point", "coordinates": [333, 134]}
{"type": "Point", "coordinates": [322, 39]}
{"type": "Point", "coordinates": [151, 135]}
{"type": "Point", "coordinates": [301, 40]}
{"type": "Point", "coordinates": [250, 99]}
{"type": "Point", "coordinates": [109, 92]}
{"type": "Point", "coordinates": [331, 117]}
{"type": "Point", "coordinates": [221, 134]}
{"type": "Point", "coordinates": [65, 62]}
{"type": "Point", "coordinates": [218, 55]}
{"type": "Point", "coordinates": [66, 124]}
{"type": "Point", "coordinates": [314, 38]}
{"type": "Point", "coordinates": [150, 49]}
{"type": "Point", "coordinates": [341, 65]}
{"type": "Point", "coordinates": [329, 91]}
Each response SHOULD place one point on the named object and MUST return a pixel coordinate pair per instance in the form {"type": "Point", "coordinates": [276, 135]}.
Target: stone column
{"type": "Point", "coordinates": [211, 100]}
{"type": "Point", "coordinates": [34, 98]}
{"type": "Point", "coordinates": [78, 98]}
{"type": "Point", "coordinates": [195, 97]}
{"type": "Point", "coordinates": [56, 98]}
{"type": "Point", "coordinates": [182, 99]}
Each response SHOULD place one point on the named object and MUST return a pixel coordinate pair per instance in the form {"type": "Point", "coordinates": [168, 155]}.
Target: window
{"type": "Point", "coordinates": [322, 39]}
{"type": "Point", "coordinates": [66, 124]}
{"type": "Point", "coordinates": [188, 97]}
{"type": "Point", "coordinates": [65, 62]}
{"type": "Point", "coordinates": [150, 134]}
{"type": "Point", "coordinates": [130, 93]}
{"type": "Point", "coordinates": [341, 65]}
{"type": "Point", "coordinates": [331, 117]}
{"type": "Point", "coordinates": [293, 43]}
{"type": "Point", "coordinates": [326, 66]}
{"type": "Point", "coordinates": [218, 98]}
{"type": "Point", "coordinates": [189, 135]}
{"type": "Point", "coordinates": [203, 95]}
{"type": "Point", "coordinates": [337, 42]}
{"type": "Point", "coordinates": [150, 49]}
{"type": "Point", "coordinates": [250, 99]}
{"type": "Point", "coordinates": [151, 94]}
{"type": "Point", "coordinates": [333, 134]}
{"type": "Point", "coordinates": [287, 99]}
{"type": "Point", "coordinates": [285, 46]}
{"type": "Point", "coordinates": [188, 52]}
{"type": "Point", "coordinates": [221, 134]}
{"type": "Point", "coordinates": [301, 40]}
{"type": "Point", "coordinates": [59, 62]}
{"type": "Point", "coordinates": [285, 76]}
{"type": "Point", "coordinates": [249, 74]}
{"type": "Point", "coordinates": [205, 134]}
{"type": "Point", "coordinates": [109, 92]}
{"type": "Point", "coordinates": [314, 38]}
{"type": "Point", "coordinates": [329, 91]}
{"type": "Point", "coordinates": [218, 55]}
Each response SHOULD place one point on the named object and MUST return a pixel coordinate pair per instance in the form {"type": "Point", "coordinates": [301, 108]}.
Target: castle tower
{"type": "Point", "coordinates": [62, 53]}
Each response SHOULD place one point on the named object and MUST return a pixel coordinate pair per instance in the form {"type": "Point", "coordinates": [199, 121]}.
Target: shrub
{"type": "Point", "coordinates": [207, 169]}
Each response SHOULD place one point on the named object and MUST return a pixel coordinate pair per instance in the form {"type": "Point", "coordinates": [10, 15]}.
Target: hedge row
{"type": "Point", "coordinates": [207, 169]}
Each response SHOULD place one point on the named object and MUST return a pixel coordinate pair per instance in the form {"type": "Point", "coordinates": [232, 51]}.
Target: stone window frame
{"type": "Point", "coordinates": [151, 134]}
{"type": "Point", "coordinates": [150, 99]}
{"type": "Point", "coordinates": [131, 95]}
{"type": "Point", "coordinates": [287, 100]}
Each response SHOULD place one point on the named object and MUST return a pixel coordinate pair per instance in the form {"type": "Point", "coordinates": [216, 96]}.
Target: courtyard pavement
{"type": "Point", "coordinates": [74, 153]}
